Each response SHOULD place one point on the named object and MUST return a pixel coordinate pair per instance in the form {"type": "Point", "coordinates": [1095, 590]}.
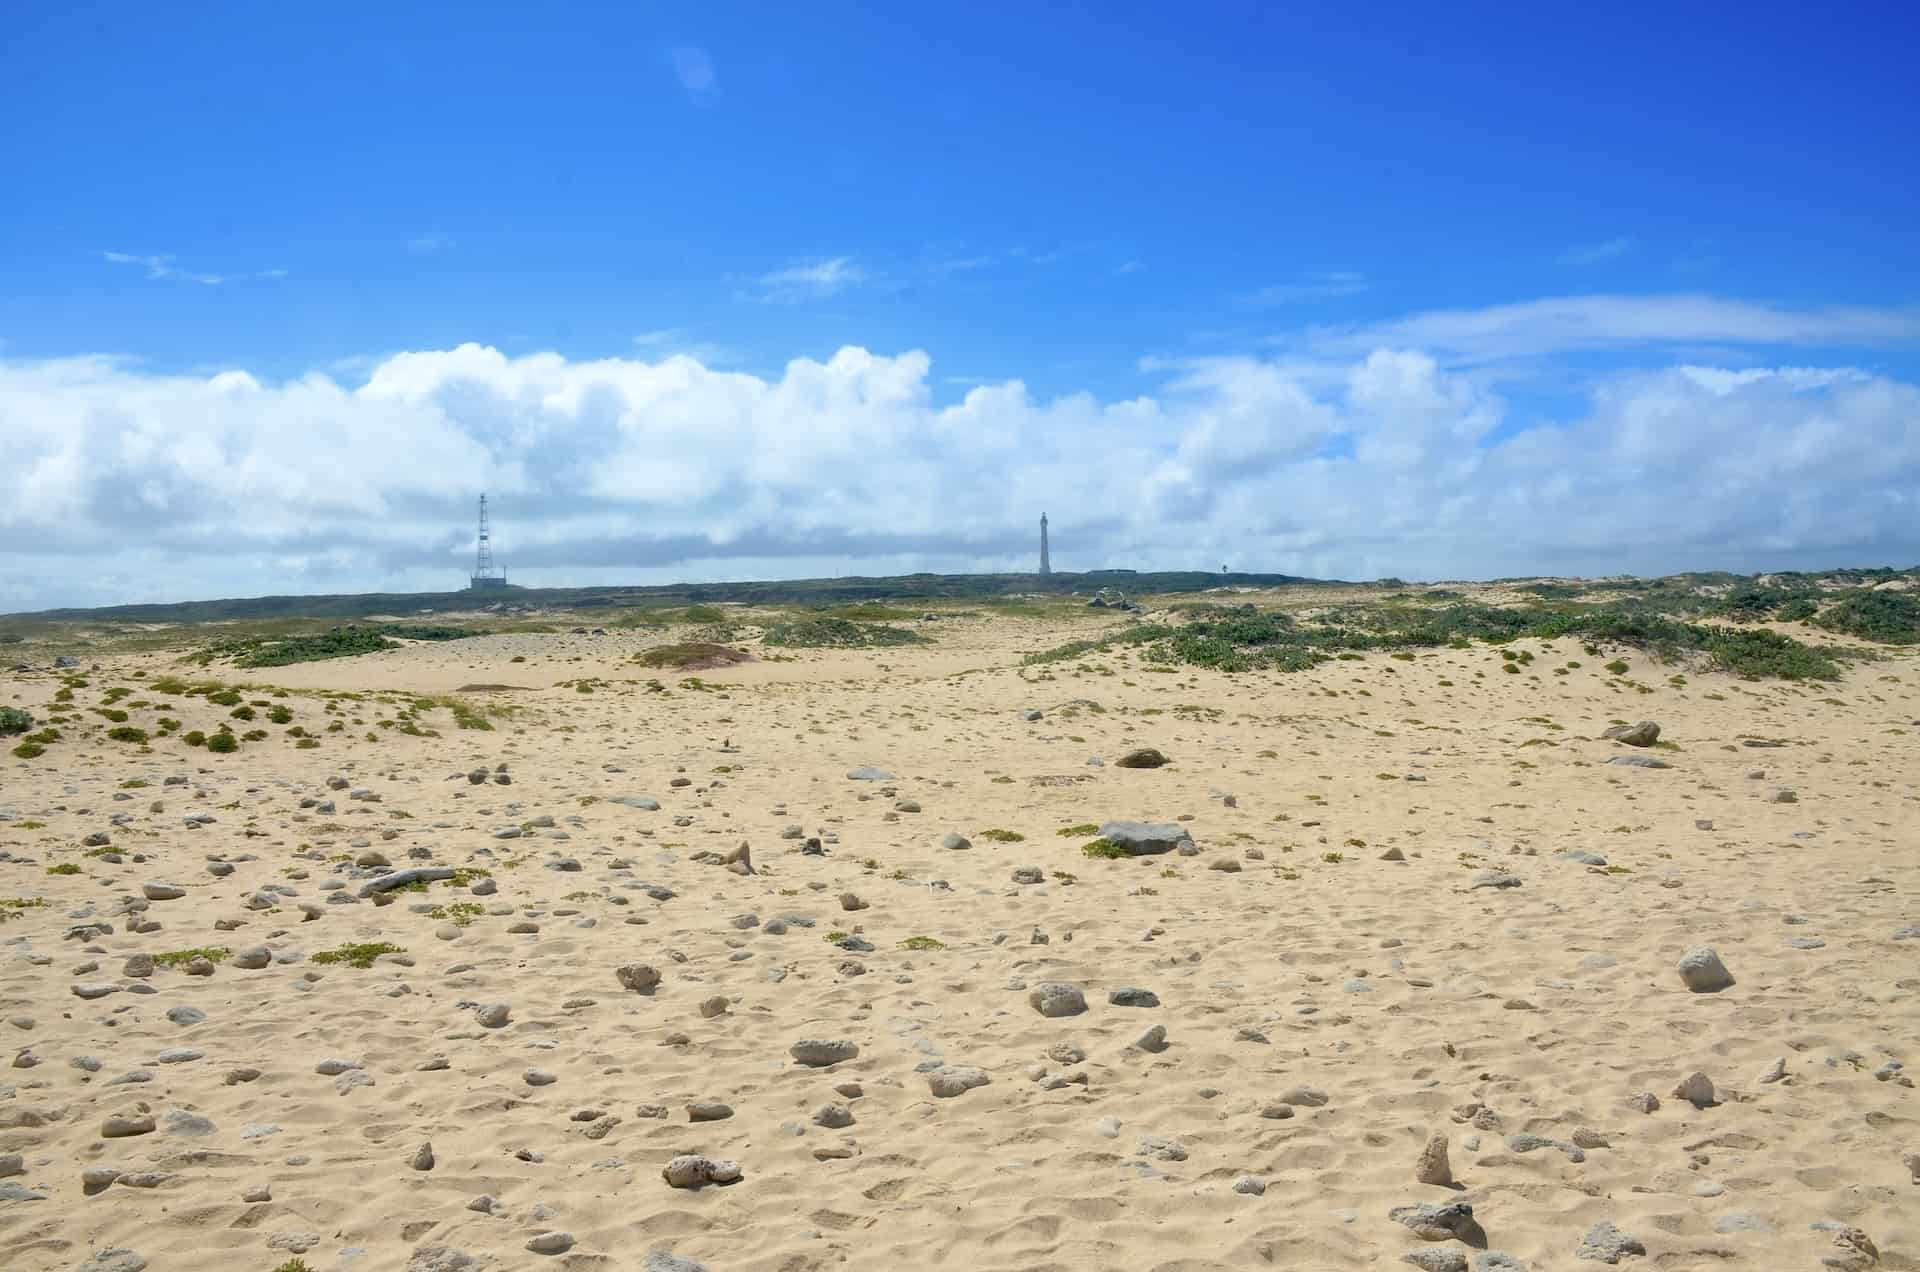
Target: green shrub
{"type": "Point", "coordinates": [1004, 836]}
{"type": "Point", "coordinates": [14, 720]}
{"type": "Point", "coordinates": [127, 733]}
{"type": "Point", "coordinates": [280, 715]}
{"type": "Point", "coordinates": [193, 737]}
{"type": "Point", "coordinates": [223, 743]}
{"type": "Point", "coordinates": [29, 750]}
{"type": "Point", "coordinates": [690, 656]}
{"type": "Point", "coordinates": [1890, 618]}
{"type": "Point", "coordinates": [1104, 849]}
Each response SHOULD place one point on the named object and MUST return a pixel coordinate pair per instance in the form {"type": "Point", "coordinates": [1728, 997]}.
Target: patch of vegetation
{"type": "Point", "coordinates": [14, 720]}
{"type": "Point", "coordinates": [999, 836]}
{"type": "Point", "coordinates": [223, 743]}
{"type": "Point", "coordinates": [691, 656]}
{"type": "Point", "coordinates": [1079, 832]}
{"type": "Point", "coordinates": [1104, 850]}
{"type": "Point", "coordinates": [337, 642]}
{"type": "Point", "coordinates": [1889, 618]}
{"type": "Point", "coordinates": [359, 955]}
{"type": "Point", "coordinates": [10, 907]}
{"type": "Point", "coordinates": [180, 958]}
{"type": "Point", "coordinates": [64, 868]}
{"type": "Point", "coordinates": [460, 913]}
{"type": "Point", "coordinates": [838, 633]}
{"type": "Point", "coordinates": [127, 733]}
{"type": "Point", "coordinates": [922, 943]}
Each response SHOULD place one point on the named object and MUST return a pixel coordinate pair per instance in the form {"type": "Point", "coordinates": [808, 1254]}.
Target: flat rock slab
{"type": "Point", "coordinates": [1145, 839]}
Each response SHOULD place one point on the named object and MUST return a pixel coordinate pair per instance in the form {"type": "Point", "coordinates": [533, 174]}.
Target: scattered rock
{"type": "Point", "coordinates": [820, 1052]}
{"type": "Point", "coordinates": [1141, 757]}
{"type": "Point", "coordinates": [1052, 998]}
{"type": "Point", "coordinates": [1645, 733]}
{"type": "Point", "coordinates": [693, 1170]}
{"type": "Point", "coordinates": [949, 1080]}
{"type": "Point", "coordinates": [1605, 1243]}
{"type": "Point", "coordinates": [1146, 839]}
{"type": "Point", "coordinates": [1433, 1166]}
{"type": "Point", "coordinates": [1696, 1089]}
{"type": "Point", "coordinates": [1435, 1223]}
{"type": "Point", "coordinates": [639, 977]}
{"type": "Point", "coordinates": [1702, 971]}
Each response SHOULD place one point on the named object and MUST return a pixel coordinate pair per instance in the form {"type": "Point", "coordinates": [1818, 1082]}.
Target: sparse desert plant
{"type": "Point", "coordinates": [359, 955]}
{"type": "Point", "coordinates": [127, 733]}
{"type": "Point", "coordinates": [1104, 850]}
{"type": "Point", "coordinates": [1079, 832]}
{"type": "Point", "coordinates": [999, 836]}
{"type": "Point", "coordinates": [922, 943]}
{"type": "Point", "coordinates": [223, 743]}
{"type": "Point", "coordinates": [64, 868]}
{"type": "Point", "coordinates": [14, 720]}
{"type": "Point", "coordinates": [691, 656]}
{"type": "Point", "coordinates": [180, 958]}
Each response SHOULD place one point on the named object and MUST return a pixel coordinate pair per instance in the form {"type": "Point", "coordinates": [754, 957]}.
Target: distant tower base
{"type": "Point", "coordinates": [1046, 561]}
{"type": "Point", "coordinates": [486, 583]}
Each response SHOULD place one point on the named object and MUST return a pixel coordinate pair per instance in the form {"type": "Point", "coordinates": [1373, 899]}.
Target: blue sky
{"type": "Point", "coordinates": [1109, 202]}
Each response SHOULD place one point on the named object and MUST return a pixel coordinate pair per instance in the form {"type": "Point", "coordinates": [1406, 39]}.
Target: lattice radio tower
{"type": "Point", "coordinates": [485, 575]}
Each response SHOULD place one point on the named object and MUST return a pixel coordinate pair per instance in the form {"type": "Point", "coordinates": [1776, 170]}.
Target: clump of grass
{"type": "Point", "coordinates": [10, 907]}
{"type": "Point", "coordinates": [1333, 858]}
{"type": "Point", "coordinates": [999, 836]}
{"type": "Point", "coordinates": [922, 943]}
{"type": "Point", "coordinates": [64, 868]}
{"type": "Point", "coordinates": [1079, 832]}
{"type": "Point", "coordinates": [460, 913]}
{"type": "Point", "coordinates": [1104, 850]}
{"type": "Point", "coordinates": [127, 733]}
{"type": "Point", "coordinates": [223, 743]}
{"type": "Point", "coordinates": [835, 937]}
{"type": "Point", "coordinates": [357, 955]}
{"type": "Point", "coordinates": [29, 751]}
{"type": "Point", "coordinates": [180, 958]}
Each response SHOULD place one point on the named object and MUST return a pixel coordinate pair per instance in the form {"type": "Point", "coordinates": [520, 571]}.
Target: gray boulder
{"type": "Point", "coordinates": [1145, 839]}
{"type": "Point", "coordinates": [1645, 733]}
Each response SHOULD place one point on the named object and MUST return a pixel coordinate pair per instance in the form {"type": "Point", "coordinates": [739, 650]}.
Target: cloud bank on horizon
{"type": "Point", "coordinates": [1353, 453]}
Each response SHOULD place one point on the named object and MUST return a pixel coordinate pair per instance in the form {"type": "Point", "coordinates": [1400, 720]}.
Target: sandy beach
{"type": "Point", "coordinates": [1419, 896]}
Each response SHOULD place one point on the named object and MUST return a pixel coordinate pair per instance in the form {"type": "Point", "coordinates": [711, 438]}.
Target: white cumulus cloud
{"type": "Point", "coordinates": [118, 483]}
